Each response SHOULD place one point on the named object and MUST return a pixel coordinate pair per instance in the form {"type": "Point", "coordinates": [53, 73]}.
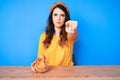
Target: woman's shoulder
{"type": "Point", "coordinates": [43, 35]}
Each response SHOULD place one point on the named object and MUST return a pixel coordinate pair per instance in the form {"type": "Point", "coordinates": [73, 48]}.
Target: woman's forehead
{"type": "Point", "coordinates": [58, 11]}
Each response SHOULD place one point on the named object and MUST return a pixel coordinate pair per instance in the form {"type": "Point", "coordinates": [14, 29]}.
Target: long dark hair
{"type": "Point", "coordinates": [50, 29]}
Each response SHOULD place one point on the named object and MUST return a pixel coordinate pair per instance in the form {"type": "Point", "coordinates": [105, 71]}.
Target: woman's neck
{"type": "Point", "coordinates": [57, 31]}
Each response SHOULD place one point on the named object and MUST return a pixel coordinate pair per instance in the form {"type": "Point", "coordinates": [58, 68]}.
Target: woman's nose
{"type": "Point", "coordinates": [58, 17]}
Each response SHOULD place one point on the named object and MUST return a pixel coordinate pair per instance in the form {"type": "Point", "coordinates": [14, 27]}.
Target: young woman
{"type": "Point", "coordinates": [56, 43]}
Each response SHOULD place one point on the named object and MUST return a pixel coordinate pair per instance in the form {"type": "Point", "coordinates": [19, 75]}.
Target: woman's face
{"type": "Point", "coordinates": [58, 17]}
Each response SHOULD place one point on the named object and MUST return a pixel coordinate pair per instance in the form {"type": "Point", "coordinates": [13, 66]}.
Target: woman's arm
{"type": "Point", "coordinates": [74, 35]}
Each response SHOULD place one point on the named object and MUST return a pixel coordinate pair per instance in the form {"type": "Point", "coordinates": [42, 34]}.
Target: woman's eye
{"type": "Point", "coordinates": [55, 14]}
{"type": "Point", "coordinates": [62, 15]}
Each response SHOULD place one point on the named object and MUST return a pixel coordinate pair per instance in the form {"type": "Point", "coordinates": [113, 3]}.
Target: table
{"type": "Point", "coordinates": [61, 73]}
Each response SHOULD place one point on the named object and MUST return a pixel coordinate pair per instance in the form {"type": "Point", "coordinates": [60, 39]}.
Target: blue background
{"type": "Point", "coordinates": [23, 21]}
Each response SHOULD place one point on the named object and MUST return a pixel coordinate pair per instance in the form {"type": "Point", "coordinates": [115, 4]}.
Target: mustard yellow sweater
{"type": "Point", "coordinates": [55, 54]}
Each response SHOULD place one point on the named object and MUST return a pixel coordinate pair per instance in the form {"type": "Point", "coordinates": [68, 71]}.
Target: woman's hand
{"type": "Point", "coordinates": [36, 69]}
{"type": "Point", "coordinates": [71, 26]}
{"type": "Point", "coordinates": [71, 29]}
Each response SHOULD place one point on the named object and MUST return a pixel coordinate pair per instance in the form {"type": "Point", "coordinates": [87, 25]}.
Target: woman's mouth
{"type": "Point", "coordinates": [58, 22]}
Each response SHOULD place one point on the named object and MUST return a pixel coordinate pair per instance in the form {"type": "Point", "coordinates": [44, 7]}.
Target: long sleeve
{"type": "Point", "coordinates": [41, 45]}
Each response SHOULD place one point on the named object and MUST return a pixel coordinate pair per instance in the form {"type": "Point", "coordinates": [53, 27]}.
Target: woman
{"type": "Point", "coordinates": [56, 43]}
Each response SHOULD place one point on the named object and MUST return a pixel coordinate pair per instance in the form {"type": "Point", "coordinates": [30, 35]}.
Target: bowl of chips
{"type": "Point", "coordinates": [40, 65]}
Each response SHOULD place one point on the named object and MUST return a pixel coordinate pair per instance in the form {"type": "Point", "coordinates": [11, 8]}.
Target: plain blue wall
{"type": "Point", "coordinates": [22, 22]}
